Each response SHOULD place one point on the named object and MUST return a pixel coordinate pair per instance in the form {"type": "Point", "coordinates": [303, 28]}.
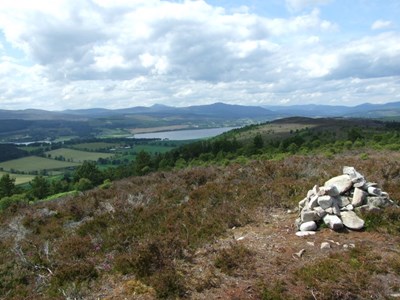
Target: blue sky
{"type": "Point", "coordinates": [64, 54]}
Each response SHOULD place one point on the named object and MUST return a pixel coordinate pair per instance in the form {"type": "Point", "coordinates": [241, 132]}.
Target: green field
{"type": "Point", "coordinates": [151, 148]}
{"type": "Point", "coordinates": [77, 155]}
{"type": "Point", "coordinates": [35, 163]}
{"type": "Point", "coordinates": [19, 178]}
{"type": "Point", "coordinates": [96, 146]}
{"type": "Point", "coordinates": [114, 133]}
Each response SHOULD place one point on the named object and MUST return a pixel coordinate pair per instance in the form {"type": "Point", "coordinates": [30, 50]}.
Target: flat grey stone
{"type": "Point", "coordinates": [320, 211]}
{"type": "Point", "coordinates": [331, 190]}
{"type": "Point", "coordinates": [352, 221]}
{"type": "Point", "coordinates": [325, 246]}
{"type": "Point", "coordinates": [325, 201]}
{"type": "Point", "coordinates": [309, 215]}
{"type": "Point", "coordinates": [374, 191]}
{"type": "Point", "coordinates": [342, 201]}
{"type": "Point", "coordinates": [359, 197]}
{"type": "Point", "coordinates": [308, 226]}
{"type": "Point", "coordinates": [333, 222]}
{"type": "Point", "coordinates": [305, 233]}
{"type": "Point", "coordinates": [343, 183]}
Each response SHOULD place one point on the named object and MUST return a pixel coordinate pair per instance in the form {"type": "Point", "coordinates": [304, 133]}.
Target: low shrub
{"type": "Point", "coordinates": [234, 258]}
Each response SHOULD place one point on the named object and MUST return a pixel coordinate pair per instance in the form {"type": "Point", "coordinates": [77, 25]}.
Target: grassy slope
{"type": "Point", "coordinates": [170, 235]}
{"type": "Point", "coordinates": [77, 155]}
{"type": "Point", "coordinates": [283, 128]}
{"type": "Point", "coordinates": [35, 163]}
{"type": "Point", "coordinates": [19, 178]}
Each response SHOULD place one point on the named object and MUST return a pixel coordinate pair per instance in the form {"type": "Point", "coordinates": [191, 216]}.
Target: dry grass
{"type": "Point", "coordinates": [170, 235]}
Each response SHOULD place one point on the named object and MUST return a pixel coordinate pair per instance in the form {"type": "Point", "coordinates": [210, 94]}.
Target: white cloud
{"type": "Point", "coordinates": [123, 53]}
{"type": "Point", "coordinates": [381, 24]}
{"type": "Point", "coordinates": [375, 56]}
{"type": "Point", "coordinates": [299, 5]}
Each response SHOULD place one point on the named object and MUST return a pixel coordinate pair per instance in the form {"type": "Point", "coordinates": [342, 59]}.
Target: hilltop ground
{"type": "Point", "coordinates": [280, 265]}
{"type": "Point", "coordinates": [203, 233]}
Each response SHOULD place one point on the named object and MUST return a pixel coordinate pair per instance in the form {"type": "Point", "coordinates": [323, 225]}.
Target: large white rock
{"type": "Point", "coordinates": [351, 220]}
{"type": "Point", "coordinates": [333, 222]}
{"type": "Point", "coordinates": [309, 215]}
{"type": "Point", "coordinates": [359, 197]}
{"type": "Point", "coordinates": [325, 201]}
{"type": "Point", "coordinates": [343, 183]}
{"type": "Point", "coordinates": [308, 226]}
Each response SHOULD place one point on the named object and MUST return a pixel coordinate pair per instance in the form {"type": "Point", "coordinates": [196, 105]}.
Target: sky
{"type": "Point", "coordinates": [71, 54]}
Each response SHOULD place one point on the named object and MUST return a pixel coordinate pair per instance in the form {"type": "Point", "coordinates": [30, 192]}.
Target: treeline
{"type": "Point", "coordinates": [45, 129]}
{"type": "Point", "coordinates": [221, 150]}
{"type": "Point", "coordinates": [9, 151]}
{"type": "Point", "coordinates": [224, 149]}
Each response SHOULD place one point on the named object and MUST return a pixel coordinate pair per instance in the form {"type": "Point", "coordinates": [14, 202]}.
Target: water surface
{"type": "Point", "coordinates": [181, 135]}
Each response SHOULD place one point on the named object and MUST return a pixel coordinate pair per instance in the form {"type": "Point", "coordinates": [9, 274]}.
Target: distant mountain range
{"type": "Point", "coordinates": [366, 110]}
{"type": "Point", "coordinates": [212, 111]}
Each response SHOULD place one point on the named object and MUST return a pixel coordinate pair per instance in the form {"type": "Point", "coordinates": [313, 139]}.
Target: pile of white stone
{"type": "Point", "coordinates": [335, 203]}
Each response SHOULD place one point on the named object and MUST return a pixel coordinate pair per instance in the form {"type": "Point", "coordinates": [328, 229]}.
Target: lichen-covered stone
{"type": "Point", "coordinates": [333, 222]}
{"type": "Point", "coordinates": [325, 201]}
{"type": "Point", "coordinates": [359, 197]}
{"type": "Point", "coordinates": [343, 183]}
{"type": "Point", "coordinates": [351, 220]}
{"type": "Point", "coordinates": [309, 215]}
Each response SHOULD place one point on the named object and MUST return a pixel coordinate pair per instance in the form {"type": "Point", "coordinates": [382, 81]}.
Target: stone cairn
{"type": "Point", "coordinates": [335, 203]}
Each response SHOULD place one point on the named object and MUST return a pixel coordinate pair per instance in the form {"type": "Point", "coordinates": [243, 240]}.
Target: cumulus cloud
{"type": "Point", "coordinates": [94, 40]}
{"type": "Point", "coordinates": [376, 56]}
{"type": "Point", "coordinates": [123, 53]}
